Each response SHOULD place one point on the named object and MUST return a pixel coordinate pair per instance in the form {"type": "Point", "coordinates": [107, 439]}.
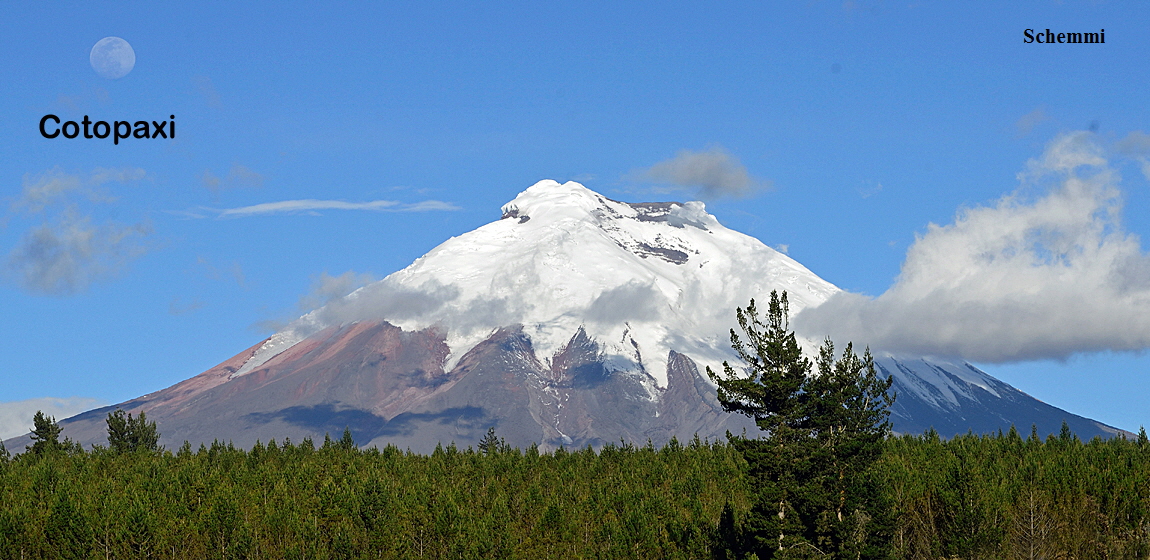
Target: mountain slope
{"type": "Point", "coordinates": [643, 279]}
{"type": "Point", "coordinates": [573, 320]}
{"type": "Point", "coordinates": [956, 398]}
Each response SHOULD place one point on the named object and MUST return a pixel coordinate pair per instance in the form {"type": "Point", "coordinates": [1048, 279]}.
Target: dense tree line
{"type": "Point", "coordinates": [822, 479]}
{"type": "Point", "coordinates": [1003, 496]}
{"type": "Point", "coordinates": [995, 496]}
{"type": "Point", "coordinates": [285, 500]}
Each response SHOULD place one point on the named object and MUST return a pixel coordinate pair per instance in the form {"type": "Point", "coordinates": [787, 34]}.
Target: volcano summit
{"type": "Point", "coordinates": [573, 320]}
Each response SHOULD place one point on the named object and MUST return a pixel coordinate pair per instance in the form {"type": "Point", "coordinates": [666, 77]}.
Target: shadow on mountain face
{"type": "Point", "coordinates": [589, 375]}
{"type": "Point", "coordinates": [367, 426]}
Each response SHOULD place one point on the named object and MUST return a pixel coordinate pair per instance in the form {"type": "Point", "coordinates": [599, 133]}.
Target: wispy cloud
{"type": "Point", "coordinates": [633, 301]}
{"type": "Point", "coordinates": [1026, 123]}
{"type": "Point", "coordinates": [177, 307]}
{"type": "Point", "coordinates": [16, 416]}
{"type": "Point", "coordinates": [42, 190]}
{"type": "Point", "coordinates": [714, 172]}
{"type": "Point", "coordinates": [326, 288]}
{"type": "Point", "coordinates": [211, 271]}
{"type": "Point", "coordinates": [67, 252]}
{"type": "Point", "coordinates": [238, 176]}
{"type": "Point", "coordinates": [102, 175]}
{"type": "Point", "coordinates": [65, 257]}
{"type": "Point", "coordinates": [313, 206]}
{"type": "Point", "coordinates": [1136, 145]}
{"type": "Point", "coordinates": [869, 190]}
{"type": "Point", "coordinates": [207, 91]}
{"type": "Point", "coordinates": [55, 186]}
{"type": "Point", "coordinates": [1026, 278]}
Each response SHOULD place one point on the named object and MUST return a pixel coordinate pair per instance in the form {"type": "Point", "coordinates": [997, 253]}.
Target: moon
{"type": "Point", "coordinates": [112, 58]}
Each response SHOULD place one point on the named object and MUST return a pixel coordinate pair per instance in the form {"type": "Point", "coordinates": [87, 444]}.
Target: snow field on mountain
{"type": "Point", "coordinates": [641, 280]}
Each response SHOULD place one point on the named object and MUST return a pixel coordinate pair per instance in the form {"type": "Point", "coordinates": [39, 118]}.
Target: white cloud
{"type": "Point", "coordinates": [428, 206]}
{"type": "Point", "coordinates": [102, 175]}
{"type": "Point", "coordinates": [16, 416]}
{"type": "Point", "coordinates": [1026, 123]}
{"type": "Point", "coordinates": [45, 189]}
{"type": "Point", "coordinates": [388, 299]}
{"type": "Point", "coordinates": [1026, 278]}
{"type": "Point", "coordinates": [312, 206]}
{"type": "Point", "coordinates": [632, 301]}
{"type": "Point", "coordinates": [65, 257]}
{"type": "Point", "coordinates": [1137, 146]}
{"type": "Point", "coordinates": [714, 172]}
{"type": "Point", "coordinates": [40, 191]}
{"type": "Point", "coordinates": [392, 301]}
{"type": "Point", "coordinates": [238, 176]}
{"type": "Point", "coordinates": [326, 288]}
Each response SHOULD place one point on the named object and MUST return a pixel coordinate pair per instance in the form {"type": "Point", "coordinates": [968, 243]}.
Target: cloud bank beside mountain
{"type": "Point", "coordinates": [1029, 277]}
{"type": "Point", "coordinates": [16, 416]}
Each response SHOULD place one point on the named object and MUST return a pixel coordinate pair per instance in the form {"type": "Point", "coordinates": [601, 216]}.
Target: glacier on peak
{"type": "Point", "coordinates": [641, 279]}
{"type": "Point", "coordinates": [622, 304]}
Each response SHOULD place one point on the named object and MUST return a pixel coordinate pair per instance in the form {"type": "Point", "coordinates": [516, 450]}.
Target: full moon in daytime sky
{"type": "Point", "coordinates": [112, 58]}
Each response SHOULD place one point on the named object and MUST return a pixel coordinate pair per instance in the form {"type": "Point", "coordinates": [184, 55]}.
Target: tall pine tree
{"type": "Point", "coordinates": [127, 434]}
{"type": "Point", "coordinates": [769, 390]}
{"type": "Point", "coordinates": [814, 495]}
{"type": "Point", "coordinates": [45, 434]}
{"type": "Point", "coordinates": [849, 410]}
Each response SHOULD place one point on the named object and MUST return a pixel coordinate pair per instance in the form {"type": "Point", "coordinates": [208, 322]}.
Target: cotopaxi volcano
{"type": "Point", "coordinates": [572, 320]}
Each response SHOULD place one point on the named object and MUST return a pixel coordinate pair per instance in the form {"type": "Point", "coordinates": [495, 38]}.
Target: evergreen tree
{"type": "Point", "coordinates": [127, 434]}
{"type": "Point", "coordinates": [67, 531]}
{"type": "Point", "coordinates": [346, 442]}
{"type": "Point", "coordinates": [810, 468]}
{"type": "Point", "coordinates": [45, 434]}
{"type": "Point", "coordinates": [769, 390]}
{"type": "Point", "coordinates": [492, 443]}
{"type": "Point", "coordinates": [1064, 434]}
{"type": "Point", "coordinates": [849, 410]}
{"type": "Point", "coordinates": [4, 456]}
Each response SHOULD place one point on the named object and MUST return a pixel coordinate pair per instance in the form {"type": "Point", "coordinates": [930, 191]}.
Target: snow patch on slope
{"type": "Point", "coordinates": [634, 276]}
{"type": "Point", "coordinates": [939, 383]}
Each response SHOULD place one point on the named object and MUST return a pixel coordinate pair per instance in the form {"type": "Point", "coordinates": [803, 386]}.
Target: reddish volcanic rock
{"type": "Point", "coordinates": [389, 386]}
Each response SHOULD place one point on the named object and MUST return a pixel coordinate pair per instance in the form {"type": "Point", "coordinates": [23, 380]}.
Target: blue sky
{"type": "Point", "coordinates": [863, 122]}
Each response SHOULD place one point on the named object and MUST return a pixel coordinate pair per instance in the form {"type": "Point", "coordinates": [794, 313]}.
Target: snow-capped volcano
{"type": "Point", "coordinates": [640, 279]}
{"type": "Point", "coordinates": [571, 320]}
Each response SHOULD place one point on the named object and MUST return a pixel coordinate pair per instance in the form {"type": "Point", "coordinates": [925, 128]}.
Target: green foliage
{"type": "Point", "coordinates": [491, 443]}
{"type": "Point", "coordinates": [1004, 497]}
{"type": "Point", "coordinates": [128, 435]}
{"type": "Point", "coordinates": [769, 390]}
{"type": "Point", "coordinates": [45, 435]}
{"type": "Point", "coordinates": [67, 532]}
{"type": "Point", "coordinates": [974, 496]}
{"type": "Point", "coordinates": [814, 493]}
{"type": "Point", "coordinates": [282, 500]}
{"type": "Point", "coordinates": [346, 442]}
